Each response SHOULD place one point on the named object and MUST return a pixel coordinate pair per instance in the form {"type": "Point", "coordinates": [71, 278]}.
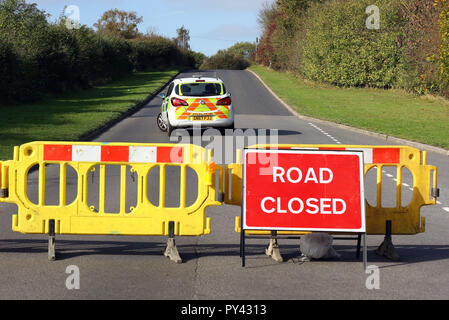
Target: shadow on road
{"type": "Point", "coordinates": [67, 249]}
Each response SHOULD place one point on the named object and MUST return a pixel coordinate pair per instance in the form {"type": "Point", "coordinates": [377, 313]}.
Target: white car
{"type": "Point", "coordinates": [196, 100]}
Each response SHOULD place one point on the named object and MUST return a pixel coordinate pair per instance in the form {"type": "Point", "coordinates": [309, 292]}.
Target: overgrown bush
{"type": "Point", "coordinates": [339, 49]}
{"type": "Point", "coordinates": [328, 41]}
{"type": "Point", "coordinates": [421, 47]}
{"type": "Point", "coordinates": [8, 71]}
{"type": "Point", "coordinates": [236, 57]}
{"type": "Point", "coordinates": [38, 57]}
{"type": "Point", "coordinates": [444, 47]}
{"type": "Point", "coordinates": [225, 60]}
{"type": "Point", "coordinates": [156, 52]}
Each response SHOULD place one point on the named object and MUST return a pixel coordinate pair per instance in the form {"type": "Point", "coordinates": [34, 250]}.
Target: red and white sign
{"type": "Point", "coordinates": [303, 190]}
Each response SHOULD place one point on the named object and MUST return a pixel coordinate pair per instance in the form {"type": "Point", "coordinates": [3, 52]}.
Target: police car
{"type": "Point", "coordinates": [196, 100]}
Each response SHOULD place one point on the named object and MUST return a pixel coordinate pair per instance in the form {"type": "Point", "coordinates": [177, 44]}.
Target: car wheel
{"type": "Point", "coordinates": [161, 123]}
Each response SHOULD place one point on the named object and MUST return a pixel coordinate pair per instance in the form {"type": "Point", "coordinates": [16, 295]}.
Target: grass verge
{"type": "Point", "coordinates": [68, 117]}
{"type": "Point", "coordinates": [391, 112]}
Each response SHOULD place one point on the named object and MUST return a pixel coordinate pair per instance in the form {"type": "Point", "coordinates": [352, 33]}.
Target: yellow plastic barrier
{"type": "Point", "coordinates": [78, 217]}
{"type": "Point", "coordinates": [404, 219]}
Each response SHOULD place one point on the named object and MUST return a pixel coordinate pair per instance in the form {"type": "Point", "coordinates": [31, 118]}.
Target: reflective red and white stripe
{"type": "Point", "coordinates": [370, 155]}
{"type": "Point", "coordinates": [107, 153]}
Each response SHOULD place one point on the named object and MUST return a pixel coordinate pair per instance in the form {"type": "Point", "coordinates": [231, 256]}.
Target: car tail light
{"type": "Point", "coordinates": [224, 102]}
{"type": "Point", "coordinates": [200, 81]}
{"type": "Point", "coordinates": [178, 102]}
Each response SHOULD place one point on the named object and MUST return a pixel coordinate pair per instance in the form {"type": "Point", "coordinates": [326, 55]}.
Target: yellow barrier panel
{"type": "Point", "coordinates": [77, 217]}
{"type": "Point", "coordinates": [404, 219]}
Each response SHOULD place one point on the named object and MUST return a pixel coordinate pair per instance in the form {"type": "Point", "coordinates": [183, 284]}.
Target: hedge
{"type": "Point", "coordinates": [328, 41]}
{"type": "Point", "coordinates": [38, 57]}
{"type": "Point", "coordinates": [339, 49]}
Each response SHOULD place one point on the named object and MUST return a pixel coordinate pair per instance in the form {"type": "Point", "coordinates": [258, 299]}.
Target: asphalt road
{"type": "Point", "coordinates": [123, 267]}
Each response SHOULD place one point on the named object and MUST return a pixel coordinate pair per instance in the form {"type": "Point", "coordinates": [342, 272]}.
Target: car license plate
{"type": "Point", "coordinates": [202, 117]}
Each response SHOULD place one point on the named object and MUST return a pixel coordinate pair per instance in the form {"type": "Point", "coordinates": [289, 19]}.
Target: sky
{"type": "Point", "coordinates": [213, 24]}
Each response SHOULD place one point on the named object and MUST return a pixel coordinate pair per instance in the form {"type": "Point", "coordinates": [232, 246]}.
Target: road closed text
{"type": "Point", "coordinates": [297, 205]}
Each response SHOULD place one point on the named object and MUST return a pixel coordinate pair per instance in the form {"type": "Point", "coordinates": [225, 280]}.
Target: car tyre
{"type": "Point", "coordinates": [161, 123]}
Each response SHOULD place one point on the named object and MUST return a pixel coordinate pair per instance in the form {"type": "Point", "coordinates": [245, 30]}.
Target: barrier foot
{"type": "Point", "coordinates": [171, 251]}
{"type": "Point", "coordinates": [386, 248]}
{"type": "Point", "coordinates": [273, 248]}
{"type": "Point", "coordinates": [51, 241]}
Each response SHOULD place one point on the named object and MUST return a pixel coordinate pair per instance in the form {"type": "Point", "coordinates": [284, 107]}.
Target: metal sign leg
{"type": "Point", "coordinates": [51, 241]}
{"type": "Point", "coordinates": [359, 238]}
{"type": "Point", "coordinates": [365, 252]}
{"type": "Point", "coordinates": [243, 247]}
{"type": "Point", "coordinates": [242, 238]}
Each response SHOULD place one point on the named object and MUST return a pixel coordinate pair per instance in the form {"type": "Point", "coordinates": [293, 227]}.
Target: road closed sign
{"type": "Point", "coordinates": [303, 190]}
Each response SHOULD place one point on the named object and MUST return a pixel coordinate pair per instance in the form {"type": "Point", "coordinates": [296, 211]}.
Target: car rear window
{"type": "Point", "coordinates": [202, 89]}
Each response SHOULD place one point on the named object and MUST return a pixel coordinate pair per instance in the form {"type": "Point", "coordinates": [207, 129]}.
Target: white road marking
{"type": "Point", "coordinates": [325, 133]}
{"type": "Point", "coordinates": [387, 174]}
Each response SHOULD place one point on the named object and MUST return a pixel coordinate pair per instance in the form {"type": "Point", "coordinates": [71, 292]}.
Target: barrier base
{"type": "Point", "coordinates": [172, 252]}
{"type": "Point", "coordinates": [273, 249]}
{"type": "Point", "coordinates": [386, 248]}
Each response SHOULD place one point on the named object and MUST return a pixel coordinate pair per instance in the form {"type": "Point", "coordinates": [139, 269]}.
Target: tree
{"type": "Point", "coordinates": [245, 49]}
{"type": "Point", "coordinates": [19, 20]}
{"type": "Point", "coordinates": [198, 57]}
{"type": "Point", "coordinates": [183, 38]}
{"type": "Point", "coordinates": [121, 23]}
{"type": "Point", "coordinates": [267, 14]}
{"type": "Point", "coordinates": [267, 19]}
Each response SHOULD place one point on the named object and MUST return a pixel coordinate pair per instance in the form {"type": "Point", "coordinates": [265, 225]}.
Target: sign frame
{"type": "Point", "coordinates": [360, 231]}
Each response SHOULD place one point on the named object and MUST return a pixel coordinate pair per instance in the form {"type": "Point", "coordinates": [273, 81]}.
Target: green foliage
{"type": "Point", "coordinates": [339, 49]}
{"type": "Point", "coordinates": [8, 70]}
{"type": "Point", "coordinates": [225, 60]}
{"type": "Point", "coordinates": [289, 22]}
{"type": "Point", "coordinates": [421, 47]}
{"type": "Point", "coordinates": [183, 38]}
{"type": "Point", "coordinates": [328, 41]}
{"type": "Point", "coordinates": [198, 58]}
{"type": "Point", "coordinates": [119, 23]}
{"type": "Point", "coordinates": [444, 48]}
{"type": "Point", "coordinates": [237, 57]}
{"type": "Point", "coordinates": [38, 57]}
{"type": "Point", "coordinates": [154, 53]}
{"type": "Point", "coordinates": [245, 49]}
